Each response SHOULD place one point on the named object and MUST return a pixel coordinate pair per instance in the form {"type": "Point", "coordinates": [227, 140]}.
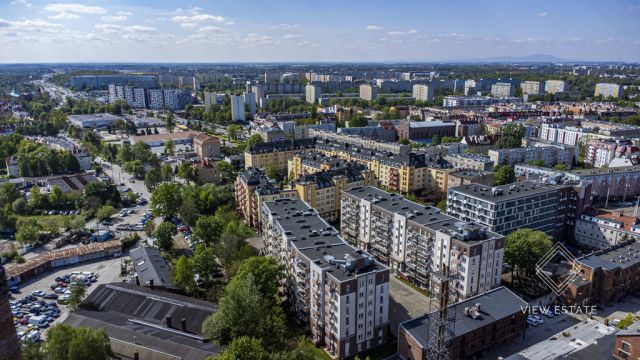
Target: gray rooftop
{"type": "Point", "coordinates": [311, 235]}
{"type": "Point", "coordinates": [149, 265]}
{"type": "Point", "coordinates": [622, 257]}
{"type": "Point", "coordinates": [495, 304]}
{"type": "Point", "coordinates": [505, 192]}
{"type": "Point", "coordinates": [604, 171]}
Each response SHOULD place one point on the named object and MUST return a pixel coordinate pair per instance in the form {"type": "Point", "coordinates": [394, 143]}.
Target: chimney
{"type": "Point", "coordinates": [137, 280]}
{"type": "Point", "coordinates": [136, 356]}
{"type": "Point", "coordinates": [183, 322]}
{"type": "Point", "coordinates": [168, 321]}
{"type": "Point", "coordinates": [151, 284]}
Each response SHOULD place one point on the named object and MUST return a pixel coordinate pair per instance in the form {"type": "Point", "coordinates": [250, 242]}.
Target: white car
{"type": "Point", "coordinates": [538, 318]}
{"type": "Point", "coordinates": [549, 313]}
{"type": "Point", "coordinates": [531, 321]}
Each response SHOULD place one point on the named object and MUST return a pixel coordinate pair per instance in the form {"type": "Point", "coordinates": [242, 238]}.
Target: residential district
{"type": "Point", "coordinates": [317, 211]}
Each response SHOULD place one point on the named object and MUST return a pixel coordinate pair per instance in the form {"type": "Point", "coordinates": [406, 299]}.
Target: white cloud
{"type": "Point", "coordinates": [402, 33]}
{"type": "Point", "coordinates": [257, 39]}
{"type": "Point", "coordinates": [64, 16]}
{"type": "Point", "coordinates": [140, 28]}
{"type": "Point", "coordinates": [108, 28]}
{"type": "Point", "coordinates": [75, 8]}
{"type": "Point", "coordinates": [192, 17]}
{"type": "Point", "coordinates": [23, 2]}
{"type": "Point", "coordinates": [293, 36]}
{"type": "Point", "coordinates": [114, 18]}
{"type": "Point", "coordinates": [124, 13]}
{"type": "Point", "coordinates": [230, 22]}
{"type": "Point", "coordinates": [285, 26]}
{"type": "Point", "coordinates": [542, 14]}
{"type": "Point", "coordinates": [212, 29]}
{"type": "Point", "coordinates": [373, 27]}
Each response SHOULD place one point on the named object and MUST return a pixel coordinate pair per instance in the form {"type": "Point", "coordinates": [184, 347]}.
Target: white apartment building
{"type": "Point", "coordinates": [602, 229]}
{"type": "Point", "coordinates": [607, 90]}
{"type": "Point", "coordinates": [503, 90]}
{"type": "Point", "coordinates": [416, 240]}
{"type": "Point", "coordinates": [237, 108]}
{"type": "Point", "coordinates": [599, 153]}
{"type": "Point", "coordinates": [555, 86]}
{"type": "Point", "coordinates": [250, 100]}
{"type": "Point", "coordinates": [551, 155]}
{"type": "Point", "coordinates": [368, 92]}
{"type": "Point", "coordinates": [532, 87]}
{"type": "Point", "coordinates": [313, 93]}
{"type": "Point", "coordinates": [339, 292]}
{"type": "Point", "coordinates": [423, 92]}
{"type": "Point", "coordinates": [156, 99]}
{"type": "Point", "coordinates": [568, 135]}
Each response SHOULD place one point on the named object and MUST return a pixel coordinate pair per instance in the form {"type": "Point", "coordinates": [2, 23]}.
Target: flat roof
{"type": "Point", "coordinates": [508, 191]}
{"type": "Point", "coordinates": [621, 256]}
{"type": "Point", "coordinates": [166, 136]}
{"type": "Point", "coordinates": [495, 304]}
{"type": "Point", "coordinates": [604, 171]}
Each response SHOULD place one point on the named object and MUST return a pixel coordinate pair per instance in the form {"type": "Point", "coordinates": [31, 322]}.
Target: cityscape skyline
{"type": "Point", "coordinates": [227, 31]}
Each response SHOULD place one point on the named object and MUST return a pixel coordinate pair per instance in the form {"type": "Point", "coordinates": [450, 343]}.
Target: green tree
{"type": "Point", "coordinates": [536, 163]}
{"type": "Point", "coordinates": [208, 229]}
{"type": "Point", "coordinates": [504, 174]}
{"type": "Point", "coordinates": [204, 262]}
{"type": "Point", "coordinates": [105, 212]}
{"type": "Point", "coordinates": [226, 171]}
{"type": "Point", "coordinates": [189, 212]}
{"type": "Point", "coordinates": [169, 148]}
{"type": "Point", "coordinates": [243, 312]}
{"type": "Point", "coordinates": [78, 293]}
{"type": "Point", "coordinates": [560, 167]}
{"type": "Point", "coordinates": [244, 348]}
{"type": "Point", "coordinates": [149, 228]}
{"type": "Point", "coordinates": [436, 139]}
{"type": "Point", "coordinates": [164, 234]}
{"type": "Point", "coordinates": [152, 178]}
{"type": "Point", "coordinates": [135, 168]}
{"type": "Point", "coordinates": [183, 275]}
{"type": "Point", "coordinates": [358, 120]}
{"type": "Point", "coordinates": [167, 172]}
{"type": "Point", "coordinates": [169, 122]}
{"type": "Point", "coordinates": [20, 206]}
{"type": "Point", "coordinates": [188, 172]}
{"type": "Point", "coordinates": [512, 135]}
{"type": "Point", "coordinates": [9, 193]}
{"type": "Point", "coordinates": [67, 343]}
{"type": "Point", "coordinates": [404, 141]}
{"type": "Point", "coordinates": [254, 139]}
{"type": "Point", "coordinates": [442, 205]}
{"type": "Point", "coordinates": [28, 232]}
{"type": "Point", "coordinates": [271, 172]}
{"type": "Point", "coordinates": [265, 272]}
{"type": "Point", "coordinates": [166, 199]}
{"type": "Point", "coordinates": [524, 248]}
{"type": "Point", "coordinates": [233, 130]}
{"type": "Point", "coordinates": [626, 322]}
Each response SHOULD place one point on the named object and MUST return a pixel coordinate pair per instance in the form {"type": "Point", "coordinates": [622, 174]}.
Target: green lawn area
{"type": "Point", "coordinates": [408, 283]}
{"type": "Point", "coordinates": [318, 354]}
{"type": "Point", "coordinates": [51, 222]}
{"type": "Point", "coordinates": [378, 353]}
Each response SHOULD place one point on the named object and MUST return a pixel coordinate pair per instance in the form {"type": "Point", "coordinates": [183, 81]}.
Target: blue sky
{"type": "Point", "coordinates": [327, 30]}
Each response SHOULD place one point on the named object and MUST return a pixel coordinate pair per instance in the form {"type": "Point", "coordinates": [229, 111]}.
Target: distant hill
{"type": "Point", "coordinates": [533, 58]}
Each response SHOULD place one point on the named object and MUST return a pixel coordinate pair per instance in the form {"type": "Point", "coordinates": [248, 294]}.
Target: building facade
{"type": "Point", "coordinates": [533, 87]}
{"type": "Point", "coordinates": [555, 86]}
{"type": "Point", "coordinates": [423, 92]}
{"type": "Point", "coordinates": [368, 92]}
{"type": "Point", "coordinates": [237, 108]}
{"type": "Point", "coordinates": [340, 293]}
{"type": "Point", "coordinates": [602, 229]}
{"type": "Point", "coordinates": [608, 90]}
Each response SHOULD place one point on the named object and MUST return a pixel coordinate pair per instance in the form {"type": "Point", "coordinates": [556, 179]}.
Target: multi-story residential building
{"type": "Point", "coordinates": [621, 182]}
{"type": "Point", "coordinates": [250, 100]}
{"type": "Point", "coordinates": [313, 93]}
{"type": "Point", "coordinates": [339, 292]}
{"type": "Point", "coordinates": [156, 99]}
{"type": "Point", "coordinates": [503, 90]}
{"type": "Point", "coordinates": [552, 209]}
{"type": "Point", "coordinates": [533, 87]}
{"type": "Point", "coordinates": [555, 86]}
{"type": "Point", "coordinates": [175, 99]}
{"type": "Point", "coordinates": [419, 130]}
{"type": "Point", "coordinates": [470, 161]}
{"type": "Point", "coordinates": [551, 155]}
{"type": "Point", "coordinates": [101, 82]}
{"type": "Point", "coordinates": [599, 153]}
{"type": "Point", "coordinates": [627, 344]}
{"type": "Point", "coordinates": [321, 190]}
{"type": "Point", "coordinates": [603, 229]}
{"type": "Point", "coordinates": [608, 90]}
{"type": "Point", "coordinates": [359, 141]}
{"type": "Point", "coordinates": [211, 99]}
{"type": "Point", "coordinates": [415, 240]}
{"type": "Point", "coordinates": [423, 92]}
{"type": "Point", "coordinates": [368, 92]}
{"type": "Point", "coordinates": [251, 189]}
{"type": "Point", "coordinates": [134, 96]}
{"type": "Point", "coordinates": [468, 101]}
{"type": "Point", "coordinates": [468, 127]}
{"type": "Point", "coordinates": [275, 153]}
{"type": "Point", "coordinates": [237, 108]}
{"type": "Point", "coordinates": [466, 177]}
{"type": "Point", "coordinates": [606, 276]}
{"type": "Point", "coordinates": [481, 322]}
{"type": "Point", "coordinates": [561, 134]}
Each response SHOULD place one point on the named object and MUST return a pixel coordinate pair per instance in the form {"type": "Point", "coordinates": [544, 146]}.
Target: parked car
{"type": "Point", "coordinates": [531, 321]}
{"type": "Point", "coordinates": [38, 293]}
{"type": "Point", "coordinates": [51, 296]}
{"type": "Point", "coordinates": [537, 318]}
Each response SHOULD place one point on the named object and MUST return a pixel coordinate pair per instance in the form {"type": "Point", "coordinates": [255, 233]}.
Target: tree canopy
{"type": "Point", "coordinates": [523, 248]}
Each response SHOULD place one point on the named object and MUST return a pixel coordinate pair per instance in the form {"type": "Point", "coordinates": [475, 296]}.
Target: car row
{"type": "Point", "coordinates": [30, 315]}
{"type": "Point", "coordinates": [63, 212]}
{"type": "Point", "coordinates": [535, 320]}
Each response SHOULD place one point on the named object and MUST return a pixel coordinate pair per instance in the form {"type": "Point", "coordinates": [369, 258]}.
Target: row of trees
{"type": "Point", "coordinates": [40, 160]}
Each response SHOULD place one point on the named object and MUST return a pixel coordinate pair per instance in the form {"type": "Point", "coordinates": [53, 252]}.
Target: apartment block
{"type": "Point", "coordinates": [603, 229]}
{"type": "Point", "coordinates": [237, 108]}
{"type": "Point", "coordinates": [551, 155]}
{"type": "Point", "coordinates": [339, 292]}
{"type": "Point", "coordinates": [620, 182]}
{"type": "Point", "coordinates": [469, 176]}
{"type": "Point", "coordinates": [322, 189]}
{"type": "Point", "coordinates": [602, 152]}
{"type": "Point", "coordinates": [175, 99]}
{"type": "Point", "coordinates": [551, 209]}
{"type": "Point", "coordinates": [313, 93]}
{"type": "Point", "coordinates": [206, 146]}
{"type": "Point", "coordinates": [368, 92]}
{"type": "Point", "coordinates": [606, 276]}
{"type": "Point", "coordinates": [251, 189]}
{"type": "Point", "coordinates": [415, 240]}
{"type": "Point", "coordinates": [503, 90]}
{"type": "Point", "coordinates": [533, 87]}
{"type": "Point", "coordinates": [608, 90]}
{"type": "Point", "coordinates": [156, 99]}
{"type": "Point", "coordinates": [423, 92]}
{"type": "Point", "coordinates": [275, 153]}
{"type": "Point", "coordinates": [555, 86]}
{"type": "Point", "coordinates": [470, 161]}
{"type": "Point", "coordinates": [419, 130]}
{"type": "Point", "coordinates": [561, 134]}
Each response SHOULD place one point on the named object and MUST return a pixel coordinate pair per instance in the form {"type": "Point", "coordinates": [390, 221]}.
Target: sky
{"type": "Point", "coordinates": [320, 30]}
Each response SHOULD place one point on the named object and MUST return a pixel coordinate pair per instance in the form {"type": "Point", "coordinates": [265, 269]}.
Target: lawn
{"type": "Point", "coordinates": [379, 353]}
{"type": "Point", "coordinates": [309, 348]}
{"type": "Point", "coordinates": [52, 223]}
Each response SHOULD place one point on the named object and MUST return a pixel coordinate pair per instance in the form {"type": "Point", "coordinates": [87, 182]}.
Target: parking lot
{"type": "Point", "coordinates": [106, 270]}
{"type": "Point", "coordinates": [404, 303]}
